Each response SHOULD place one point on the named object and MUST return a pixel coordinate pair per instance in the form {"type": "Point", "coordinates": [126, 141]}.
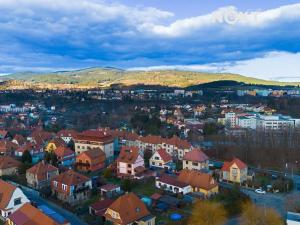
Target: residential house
{"type": "Point", "coordinates": [11, 198]}
{"type": "Point", "coordinates": [7, 147]}
{"type": "Point", "coordinates": [65, 156]}
{"type": "Point", "coordinates": [161, 159]}
{"type": "Point", "coordinates": [8, 166]}
{"type": "Point", "coordinates": [110, 190]}
{"type": "Point", "coordinates": [54, 144]}
{"type": "Point", "coordinates": [90, 160]}
{"type": "Point", "coordinates": [130, 164]}
{"type": "Point", "coordinates": [203, 183]}
{"type": "Point", "coordinates": [71, 187]}
{"type": "Point", "coordinates": [36, 151]}
{"type": "Point", "coordinates": [99, 208]}
{"type": "Point", "coordinates": [195, 159]}
{"type": "Point", "coordinates": [19, 140]}
{"type": "Point", "coordinates": [92, 139]}
{"type": "Point", "coordinates": [67, 135]}
{"type": "Point", "coordinates": [172, 184]}
{"type": "Point", "coordinates": [129, 209]}
{"type": "Point", "coordinates": [40, 175]}
{"type": "Point", "coordinates": [28, 214]}
{"type": "Point", "coordinates": [235, 171]}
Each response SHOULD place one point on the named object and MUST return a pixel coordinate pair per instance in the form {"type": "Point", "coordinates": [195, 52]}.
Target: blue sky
{"type": "Point", "coordinates": [254, 38]}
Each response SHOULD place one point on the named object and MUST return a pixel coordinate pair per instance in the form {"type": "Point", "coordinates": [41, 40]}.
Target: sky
{"type": "Point", "coordinates": [249, 37]}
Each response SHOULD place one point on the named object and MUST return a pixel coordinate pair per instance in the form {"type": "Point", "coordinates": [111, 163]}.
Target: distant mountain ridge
{"type": "Point", "coordinates": [105, 77]}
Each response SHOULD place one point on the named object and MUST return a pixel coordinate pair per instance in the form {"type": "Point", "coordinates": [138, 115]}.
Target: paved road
{"type": "Point", "coordinates": [33, 195]}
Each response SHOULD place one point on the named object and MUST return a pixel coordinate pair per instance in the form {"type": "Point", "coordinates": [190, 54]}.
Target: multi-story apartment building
{"type": "Point", "coordinates": [94, 139]}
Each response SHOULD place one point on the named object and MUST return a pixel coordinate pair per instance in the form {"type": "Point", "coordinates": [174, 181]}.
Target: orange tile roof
{"type": "Point", "coordinates": [128, 154]}
{"type": "Point", "coordinates": [240, 164]}
{"type": "Point", "coordinates": [63, 151]}
{"type": "Point", "coordinates": [130, 209]}
{"type": "Point", "coordinates": [70, 178]}
{"type": "Point", "coordinates": [8, 162]}
{"type": "Point", "coordinates": [197, 179]}
{"type": "Point", "coordinates": [41, 170]}
{"type": "Point", "coordinates": [6, 192]}
{"type": "Point", "coordinates": [29, 215]}
{"type": "Point", "coordinates": [196, 155]}
{"type": "Point", "coordinates": [66, 133]}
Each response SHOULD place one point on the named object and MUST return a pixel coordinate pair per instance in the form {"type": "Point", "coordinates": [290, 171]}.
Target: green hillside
{"type": "Point", "coordinates": [104, 77]}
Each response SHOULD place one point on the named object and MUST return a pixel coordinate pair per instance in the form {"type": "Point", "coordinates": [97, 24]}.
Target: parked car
{"type": "Point", "coordinates": [260, 191]}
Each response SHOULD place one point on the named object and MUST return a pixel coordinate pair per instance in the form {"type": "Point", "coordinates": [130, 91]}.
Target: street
{"type": "Point", "coordinates": [34, 196]}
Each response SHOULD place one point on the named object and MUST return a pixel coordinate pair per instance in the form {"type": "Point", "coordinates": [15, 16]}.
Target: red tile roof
{"type": "Point", "coordinates": [94, 135]}
{"type": "Point", "coordinates": [101, 206]}
{"type": "Point", "coordinates": [166, 157]}
{"type": "Point", "coordinates": [8, 162]}
{"type": "Point", "coordinates": [171, 181]}
{"type": "Point", "coordinates": [63, 151]}
{"type": "Point", "coordinates": [70, 178]}
{"type": "Point", "coordinates": [128, 154]}
{"type": "Point", "coordinates": [196, 155]}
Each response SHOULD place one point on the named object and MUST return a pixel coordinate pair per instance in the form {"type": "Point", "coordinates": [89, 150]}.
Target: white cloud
{"type": "Point", "coordinates": [228, 17]}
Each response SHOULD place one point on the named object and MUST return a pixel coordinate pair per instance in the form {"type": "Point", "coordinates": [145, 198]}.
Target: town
{"type": "Point", "coordinates": [148, 156]}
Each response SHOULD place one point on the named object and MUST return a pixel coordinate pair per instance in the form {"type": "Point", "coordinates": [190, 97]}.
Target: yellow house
{"type": "Point", "coordinates": [195, 160]}
{"type": "Point", "coordinates": [235, 171]}
{"type": "Point", "coordinates": [200, 182]}
{"type": "Point", "coordinates": [54, 144]}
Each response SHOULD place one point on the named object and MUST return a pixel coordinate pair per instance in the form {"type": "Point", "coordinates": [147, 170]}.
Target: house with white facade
{"type": "Point", "coordinates": [11, 199]}
{"type": "Point", "coordinates": [130, 164]}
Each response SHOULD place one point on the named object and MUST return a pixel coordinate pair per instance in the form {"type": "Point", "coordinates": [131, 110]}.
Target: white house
{"type": "Point", "coordinates": [171, 184]}
{"type": "Point", "coordinates": [12, 198]}
{"type": "Point", "coordinates": [161, 159]}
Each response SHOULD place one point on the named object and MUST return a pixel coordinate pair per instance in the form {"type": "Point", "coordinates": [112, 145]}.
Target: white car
{"type": "Point", "coordinates": [260, 191]}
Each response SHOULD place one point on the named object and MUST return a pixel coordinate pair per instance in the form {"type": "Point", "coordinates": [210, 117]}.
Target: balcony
{"type": "Point", "coordinates": [81, 189]}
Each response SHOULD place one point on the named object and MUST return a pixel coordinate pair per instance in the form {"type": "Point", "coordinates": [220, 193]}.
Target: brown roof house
{"type": "Point", "coordinates": [71, 187]}
{"type": "Point", "coordinates": [11, 198]}
{"type": "Point", "coordinates": [29, 215]}
{"type": "Point", "coordinates": [40, 175]}
{"type": "Point", "coordinates": [129, 209]}
{"type": "Point", "coordinates": [200, 182]}
{"type": "Point", "coordinates": [91, 160]}
{"type": "Point", "coordinates": [7, 147]}
{"type": "Point", "coordinates": [130, 164]}
{"type": "Point", "coordinates": [8, 166]}
{"type": "Point", "coordinates": [196, 160]}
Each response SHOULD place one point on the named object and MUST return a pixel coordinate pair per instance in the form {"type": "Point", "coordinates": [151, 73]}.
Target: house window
{"type": "Point", "coordinates": [55, 183]}
{"type": "Point", "coordinates": [64, 187]}
{"type": "Point", "coordinates": [17, 201]}
{"type": "Point", "coordinates": [129, 165]}
{"type": "Point", "coordinates": [156, 158]}
{"type": "Point", "coordinates": [195, 164]}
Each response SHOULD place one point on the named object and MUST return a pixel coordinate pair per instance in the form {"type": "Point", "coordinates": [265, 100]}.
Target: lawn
{"type": "Point", "coordinates": [146, 187]}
